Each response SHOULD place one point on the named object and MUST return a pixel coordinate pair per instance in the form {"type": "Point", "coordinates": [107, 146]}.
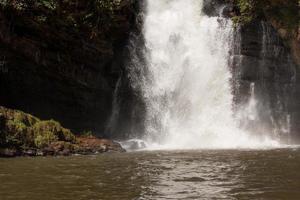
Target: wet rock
{"type": "Point", "coordinates": [65, 152]}
{"type": "Point", "coordinates": [95, 145]}
{"type": "Point", "coordinates": [264, 61]}
{"type": "Point", "coordinates": [29, 152]}
{"type": "Point", "coordinates": [48, 151]}
{"type": "Point", "coordinates": [39, 153]}
{"type": "Point", "coordinates": [213, 8]}
{"type": "Point", "coordinates": [6, 152]}
{"type": "Point", "coordinates": [134, 144]}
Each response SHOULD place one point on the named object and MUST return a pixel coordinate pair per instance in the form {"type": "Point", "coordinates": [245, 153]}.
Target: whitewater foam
{"type": "Point", "coordinates": [186, 87]}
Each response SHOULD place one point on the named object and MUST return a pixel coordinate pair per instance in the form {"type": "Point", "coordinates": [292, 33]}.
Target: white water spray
{"type": "Point", "coordinates": [186, 87]}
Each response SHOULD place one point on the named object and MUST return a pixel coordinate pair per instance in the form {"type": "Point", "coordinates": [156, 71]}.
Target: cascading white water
{"type": "Point", "coordinates": [186, 84]}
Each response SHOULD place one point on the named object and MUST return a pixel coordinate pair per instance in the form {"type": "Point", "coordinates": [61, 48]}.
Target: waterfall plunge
{"type": "Point", "coordinates": [185, 83]}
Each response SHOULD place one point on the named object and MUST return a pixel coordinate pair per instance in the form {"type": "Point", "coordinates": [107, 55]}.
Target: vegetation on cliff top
{"type": "Point", "coordinates": [91, 16]}
{"type": "Point", "coordinates": [284, 12]}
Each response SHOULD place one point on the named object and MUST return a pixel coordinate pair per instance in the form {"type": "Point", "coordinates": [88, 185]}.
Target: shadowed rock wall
{"type": "Point", "coordinates": [264, 65]}
{"type": "Point", "coordinates": [63, 62]}
{"type": "Point", "coordinates": [263, 62]}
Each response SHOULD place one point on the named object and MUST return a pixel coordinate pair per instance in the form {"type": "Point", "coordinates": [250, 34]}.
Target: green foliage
{"type": "Point", "coordinates": [17, 131]}
{"type": "Point", "coordinates": [249, 10]}
{"type": "Point", "coordinates": [44, 139]}
{"type": "Point", "coordinates": [21, 130]}
{"type": "Point", "coordinates": [28, 4]}
{"type": "Point", "coordinates": [95, 18]}
{"type": "Point", "coordinates": [49, 4]}
{"type": "Point", "coordinates": [100, 14]}
{"type": "Point", "coordinates": [86, 134]}
{"type": "Point", "coordinates": [284, 12]}
{"type": "Point", "coordinates": [52, 131]}
{"type": "Point", "coordinates": [18, 5]}
{"type": "Point", "coordinates": [107, 4]}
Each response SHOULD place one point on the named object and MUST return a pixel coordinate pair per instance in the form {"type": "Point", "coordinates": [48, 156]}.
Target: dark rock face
{"type": "Point", "coordinates": [265, 73]}
{"type": "Point", "coordinates": [55, 71]}
{"type": "Point", "coordinates": [127, 119]}
{"type": "Point", "coordinates": [263, 68]}
{"type": "Point", "coordinates": [224, 8]}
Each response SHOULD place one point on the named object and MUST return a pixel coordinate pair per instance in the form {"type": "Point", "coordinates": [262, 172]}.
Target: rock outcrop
{"type": "Point", "coordinates": [283, 15]}
{"type": "Point", "coordinates": [263, 69]}
{"type": "Point", "coordinates": [22, 134]}
{"type": "Point", "coordinates": [264, 63]}
{"type": "Point", "coordinates": [62, 59]}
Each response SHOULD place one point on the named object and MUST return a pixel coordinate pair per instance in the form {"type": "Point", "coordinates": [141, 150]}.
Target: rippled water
{"type": "Point", "coordinates": [230, 174]}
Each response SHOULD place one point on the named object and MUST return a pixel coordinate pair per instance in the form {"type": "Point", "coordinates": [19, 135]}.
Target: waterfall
{"type": "Point", "coordinates": [264, 86]}
{"type": "Point", "coordinates": [186, 80]}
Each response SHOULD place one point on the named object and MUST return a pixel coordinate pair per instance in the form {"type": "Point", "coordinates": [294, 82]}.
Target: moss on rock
{"type": "Point", "coordinates": [24, 134]}
{"type": "Point", "coordinates": [21, 130]}
{"type": "Point", "coordinates": [285, 12]}
{"type": "Point", "coordinates": [92, 16]}
{"type": "Point", "coordinates": [283, 15]}
{"type": "Point", "coordinates": [46, 132]}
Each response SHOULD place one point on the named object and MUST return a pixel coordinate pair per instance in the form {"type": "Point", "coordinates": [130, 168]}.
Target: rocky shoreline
{"type": "Point", "coordinates": [22, 134]}
{"type": "Point", "coordinates": [85, 146]}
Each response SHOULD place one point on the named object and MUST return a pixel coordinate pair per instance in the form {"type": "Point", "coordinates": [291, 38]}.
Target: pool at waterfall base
{"type": "Point", "coordinates": [194, 174]}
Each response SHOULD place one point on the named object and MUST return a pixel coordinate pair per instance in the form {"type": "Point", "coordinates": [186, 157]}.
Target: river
{"type": "Point", "coordinates": [200, 174]}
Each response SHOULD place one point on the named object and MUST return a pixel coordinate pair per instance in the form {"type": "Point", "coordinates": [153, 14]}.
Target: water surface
{"type": "Point", "coordinates": [207, 174]}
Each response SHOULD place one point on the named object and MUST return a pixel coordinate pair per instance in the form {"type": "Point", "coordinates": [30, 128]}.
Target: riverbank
{"type": "Point", "coordinates": [22, 134]}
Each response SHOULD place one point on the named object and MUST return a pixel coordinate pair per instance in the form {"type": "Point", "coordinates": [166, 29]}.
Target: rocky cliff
{"type": "Point", "coordinates": [284, 16]}
{"type": "Point", "coordinates": [265, 63]}
{"type": "Point", "coordinates": [62, 59]}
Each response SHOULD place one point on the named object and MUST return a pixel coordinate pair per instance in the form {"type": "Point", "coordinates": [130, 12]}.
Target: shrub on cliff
{"type": "Point", "coordinates": [24, 134]}
{"type": "Point", "coordinates": [16, 129]}
{"type": "Point", "coordinates": [285, 12]}
{"type": "Point", "coordinates": [46, 132]}
{"type": "Point", "coordinates": [20, 130]}
{"type": "Point", "coordinates": [94, 17]}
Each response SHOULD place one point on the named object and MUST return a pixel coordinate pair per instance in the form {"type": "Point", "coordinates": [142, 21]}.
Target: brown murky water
{"type": "Point", "coordinates": [231, 174]}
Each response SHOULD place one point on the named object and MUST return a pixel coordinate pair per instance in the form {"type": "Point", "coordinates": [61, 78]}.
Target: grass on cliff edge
{"type": "Point", "coordinates": [22, 131]}
{"type": "Point", "coordinates": [72, 13]}
{"type": "Point", "coordinates": [283, 11]}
